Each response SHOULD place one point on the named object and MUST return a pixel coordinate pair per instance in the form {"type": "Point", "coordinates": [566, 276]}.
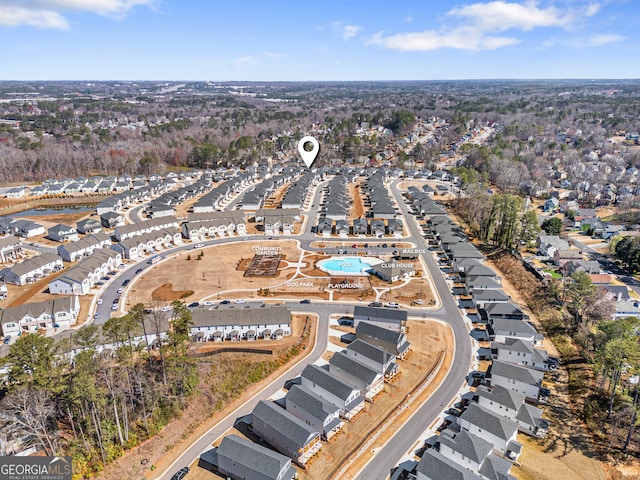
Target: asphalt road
{"type": "Point", "coordinates": [204, 443]}
{"type": "Point", "coordinates": [389, 455]}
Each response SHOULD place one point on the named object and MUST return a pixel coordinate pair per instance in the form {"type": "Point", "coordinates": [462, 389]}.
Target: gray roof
{"type": "Point", "coordinates": [242, 314]}
{"type": "Point", "coordinates": [492, 422]}
{"type": "Point", "coordinates": [15, 314]}
{"type": "Point", "coordinates": [435, 466]}
{"type": "Point", "coordinates": [529, 415]}
{"type": "Point", "coordinates": [467, 444]}
{"type": "Point", "coordinates": [349, 365]}
{"type": "Point", "coordinates": [503, 325]}
{"type": "Point", "coordinates": [515, 345]}
{"type": "Point", "coordinates": [311, 403]}
{"type": "Point", "coordinates": [490, 295]}
{"type": "Point", "coordinates": [482, 281]}
{"type": "Point", "coordinates": [480, 270]}
{"type": "Point", "coordinates": [323, 379]}
{"type": "Point", "coordinates": [254, 457]}
{"type": "Point", "coordinates": [372, 352]}
{"type": "Point", "coordinates": [516, 372]}
{"type": "Point", "coordinates": [31, 264]}
{"type": "Point", "coordinates": [387, 313]}
{"type": "Point", "coordinates": [502, 309]}
{"type": "Point", "coordinates": [284, 422]}
{"type": "Point", "coordinates": [365, 329]}
{"type": "Point", "coordinates": [496, 468]}
{"type": "Point", "coordinates": [502, 396]}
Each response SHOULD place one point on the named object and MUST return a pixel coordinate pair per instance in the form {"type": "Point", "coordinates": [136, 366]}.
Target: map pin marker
{"type": "Point", "coordinates": [308, 147]}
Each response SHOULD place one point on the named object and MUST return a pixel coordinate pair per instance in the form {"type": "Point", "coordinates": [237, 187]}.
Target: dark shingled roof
{"type": "Point", "coordinates": [255, 457]}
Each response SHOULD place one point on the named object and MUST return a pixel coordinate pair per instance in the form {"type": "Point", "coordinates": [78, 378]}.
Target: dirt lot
{"type": "Point", "coordinates": [427, 340]}
{"type": "Point", "coordinates": [214, 273]}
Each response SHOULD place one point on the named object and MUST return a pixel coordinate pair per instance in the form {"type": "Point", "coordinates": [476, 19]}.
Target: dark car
{"type": "Point", "coordinates": [225, 302]}
{"type": "Point", "coordinates": [193, 305]}
{"type": "Point", "coordinates": [180, 474]}
{"type": "Point", "coordinates": [138, 271]}
{"type": "Point", "coordinates": [126, 282]}
{"type": "Point", "coordinates": [375, 304]}
{"type": "Point", "coordinates": [305, 301]}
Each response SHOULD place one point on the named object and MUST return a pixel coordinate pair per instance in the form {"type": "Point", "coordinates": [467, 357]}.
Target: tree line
{"type": "Point", "coordinates": [95, 406]}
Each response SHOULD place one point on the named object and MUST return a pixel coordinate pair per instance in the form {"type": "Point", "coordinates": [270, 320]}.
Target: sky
{"type": "Point", "coordinates": [262, 40]}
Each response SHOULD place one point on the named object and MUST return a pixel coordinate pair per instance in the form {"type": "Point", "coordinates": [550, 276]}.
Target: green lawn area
{"type": "Point", "coordinates": [553, 273]}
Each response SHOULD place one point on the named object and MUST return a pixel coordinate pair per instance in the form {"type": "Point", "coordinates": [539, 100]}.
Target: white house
{"type": "Point", "coordinates": [519, 379]}
{"type": "Point", "coordinates": [370, 381]}
{"type": "Point", "coordinates": [33, 269]}
{"type": "Point", "coordinates": [314, 410]}
{"type": "Point", "coordinates": [492, 427]}
{"type": "Point", "coordinates": [49, 316]}
{"type": "Point", "coordinates": [344, 395]}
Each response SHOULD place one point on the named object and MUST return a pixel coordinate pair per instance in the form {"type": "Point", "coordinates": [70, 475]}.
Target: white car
{"type": "Point", "coordinates": [99, 302]}
{"type": "Point", "coordinates": [392, 305]}
{"type": "Point", "coordinates": [209, 303]}
{"type": "Point", "coordinates": [198, 245]}
{"type": "Point", "coordinates": [239, 301]}
{"type": "Point", "coordinates": [165, 309]}
{"type": "Point", "coordinates": [120, 290]}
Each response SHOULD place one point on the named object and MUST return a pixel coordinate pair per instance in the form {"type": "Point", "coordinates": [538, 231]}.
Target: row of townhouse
{"type": "Point", "coordinates": [20, 227]}
{"type": "Point", "coordinates": [32, 269]}
{"type": "Point", "coordinates": [361, 227]}
{"type": "Point", "coordinates": [127, 198]}
{"type": "Point", "coordinates": [336, 199]}
{"type": "Point", "coordinates": [482, 442]}
{"type": "Point", "coordinates": [376, 194]}
{"type": "Point", "coordinates": [146, 226]}
{"type": "Point", "coordinates": [278, 220]}
{"type": "Point", "coordinates": [256, 198]}
{"type": "Point", "coordinates": [62, 233]}
{"type": "Point", "coordinates": [84, 247]}
{"type": "Point", "coordinates": [48, 317]}
{"type": "Point", "coordinates": [232, 323]}
{"type": "Point", "coordinates": [11, 249]}
{"type": "Point", "coordinates": [299, 191]}
{"type": "Point", "coordinates": [314, 410]}
{"type": "Point", "coordinates": [148, 243]}
{"type": "Point", "coordinates": [164, 205]}
{"type": "Point", "coordinates": [223, 323]}
{"type": "Point", "coordinates": [215, 199]}
{"type": "Point", "coordinates": [79, 279]}
{"type": "Point", "coordinates": [200, 226]}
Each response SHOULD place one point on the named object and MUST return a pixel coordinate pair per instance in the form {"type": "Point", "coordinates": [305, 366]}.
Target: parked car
{"type": "Point", "coordinates": [126, 282]}
{"type": "Point", "coordinates": [99, 302]}
{"type": "Point", "coordinates": [305, 301]}
{"type": "Point", "coordinates": [193, 305]}
{"type": "Point", "coordinates": [392, 305]}
{"type": "Point", "coordinates": [375, 304]}
{"type": "Point", "coordinates": [198, 245]}
{"type": "Point", "coordinates": [239, 300]}
{"type": "Point", "coordinates": [97, 315]}
{"type": "Point", "coordinates": [120, 290]}
{"type": "Point", "coordinates": [225, 302]}
{"type": "Point", "coordinates": [209, 303]}
{"type": "Point", "coordinates": [180, 474]}
{"type": "Point", "coordinates": [165, 309]}
{"type": "Point", "coordinates": [114, 307]}
{"type": "Point", "coordinates": [138, 271]}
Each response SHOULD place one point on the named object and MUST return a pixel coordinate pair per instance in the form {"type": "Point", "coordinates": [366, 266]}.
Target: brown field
{"type": "Point", "coordinates": [427, 339]}
{"type": "Point", "coordinates": [216, 272]}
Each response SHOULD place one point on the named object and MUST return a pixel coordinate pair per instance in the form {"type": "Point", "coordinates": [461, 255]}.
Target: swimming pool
{"type": "Point", "coordinates": [347, 265]}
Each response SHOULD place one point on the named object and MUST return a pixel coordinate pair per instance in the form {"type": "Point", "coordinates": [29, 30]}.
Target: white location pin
{"type": "Point", "coordinates": [309, 153]}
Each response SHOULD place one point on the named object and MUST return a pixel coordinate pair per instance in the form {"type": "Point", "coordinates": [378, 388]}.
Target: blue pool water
{"type": "Point", "coordinates": [347, 265]}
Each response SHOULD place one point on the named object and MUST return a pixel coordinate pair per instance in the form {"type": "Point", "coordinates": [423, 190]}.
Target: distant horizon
{"type": "Point", "coordinates": [488, 79]}
{"type": "Point", "coordinates": [447, 40]}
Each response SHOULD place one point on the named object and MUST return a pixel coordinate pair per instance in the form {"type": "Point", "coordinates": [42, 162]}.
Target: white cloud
{"type": "Point", "coordinates": [477, 26]}
{"type": "Point", "coordinates": [499, 16]}
{"type": "Point", "coordinates": [50, 13]}
{"type": "Point", "coordinates": [274, 55]}
{"type": "Point", "coordinates": [350, 31]}
{"type": "Point", "coordinates": [408, 19]}
{"type": "Point", "coordinates": [14, 16]}
{"type": "Point", "coordinates": [345, 31]}
{"type": "Point", "coordinates": [242, 61]}
{"type": "Point", "coordinates": [598, 40]}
